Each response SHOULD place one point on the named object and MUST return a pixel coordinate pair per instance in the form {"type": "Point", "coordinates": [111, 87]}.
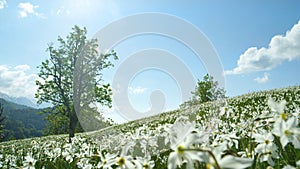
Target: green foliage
{"type": "Point", "coordinates": [57, 121]}
{"type": "Point", "coordinates": [1, 123]}
{"type": "Point", "coordinates": [21, 121]}
{"type": "Point", "coordinates": [208, 90]}
{"type": "Point", "coordinates": [73, 73]}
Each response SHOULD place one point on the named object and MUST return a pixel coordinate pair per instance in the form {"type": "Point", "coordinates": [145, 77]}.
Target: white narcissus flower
{"type": "Point", "coordinates": [227, 161]}
{"type": "Point", "coordinates": [124, 160]}
{"type": "Point", "coordinates": [231, 139]}
{"type": "Point", "coordinates": [288, 167]}
{"type": "Point", "coordinates": [56, 152]}
{"type": "Point", "coordinates": [107, 161]}
{"type": "Point", "coordinates": [180, 155]}
{"type": "Point", "coordinates": [67, 153]}
{"type": "Point", "coordinates": [278, 108]}
{"type": "Point", "coordinates": [226, 111]}
{"type": "Point", "coordinates": [1, 156]}
{"type": "Point", "coordinates": [147, 141]}
{"type": "Point", "coordinates": [144, 163]}
{"type": "Point", "coordinates": [266, 148]}
{"type": "Point", "coordinates": [67, 156]}
{"type": "Point", "coordinates": [29, 162]}
{"type": "Point", "coordinates": [269, 156]}
{"type": "Point", "coordinates": [265, 142]}
{"type": "Point", "coordinates": [84, 163]}
{"type": "Point", "coordinates": [233, 162]}
{"type": "Point", "coordinates": [179, 130]}
{"type": "Point", "coordinates": [181, 139]}
{"type": "Point", "coordinates": [288, 131]}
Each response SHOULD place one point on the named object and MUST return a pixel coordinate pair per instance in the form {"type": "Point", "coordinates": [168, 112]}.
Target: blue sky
{"type": "Point", "coordinates": [250, 37]}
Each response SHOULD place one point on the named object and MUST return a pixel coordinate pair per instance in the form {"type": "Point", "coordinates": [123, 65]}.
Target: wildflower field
{"type": "Point", "coordinates": [256, 130]}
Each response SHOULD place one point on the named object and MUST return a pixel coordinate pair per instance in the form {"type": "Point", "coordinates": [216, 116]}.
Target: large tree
{"type": "Point", "coordinates": [208, 90]}
{"type": "Point", "coordinates": [71, 78]}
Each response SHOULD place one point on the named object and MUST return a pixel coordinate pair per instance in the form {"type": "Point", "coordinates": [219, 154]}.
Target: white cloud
{"type": "Point", "coordinates": [281, 48]}
{"type": "Point", "coordinates": [22, 67]}
{"type": "Point", "coordinates": [2, 4]}
{"type": "Point", "coordinates": [63, 11]}
{"type": "Point", "coordinates": [263, 79]}
{"type": "Point", "coordinates": [27, 8]}
{"type": "Point", "coordinates": [137, 90]}
{"type": "Point", "coordinates": [16, 82]}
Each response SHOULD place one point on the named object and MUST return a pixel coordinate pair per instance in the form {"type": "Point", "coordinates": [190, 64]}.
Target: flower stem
{"type": "Point", "coordinates": [206, 151]}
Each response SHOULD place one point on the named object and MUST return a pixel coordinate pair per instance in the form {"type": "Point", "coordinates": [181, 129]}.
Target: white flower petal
{"type": "Point", "coordinates": [235, 162]}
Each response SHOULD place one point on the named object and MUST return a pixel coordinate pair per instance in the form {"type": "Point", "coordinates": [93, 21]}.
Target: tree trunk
{"type": "Point", "coordinates": [72, 126]}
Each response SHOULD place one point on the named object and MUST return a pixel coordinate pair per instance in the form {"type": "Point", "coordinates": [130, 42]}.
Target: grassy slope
{"type": "Point", "coordinates": [188, 109]}
{"type": "Point", "coordinates": [192, 109]}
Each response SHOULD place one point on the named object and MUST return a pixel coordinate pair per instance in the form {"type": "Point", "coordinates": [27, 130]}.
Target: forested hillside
{"type": "Point", "coordinates": [21, 121]}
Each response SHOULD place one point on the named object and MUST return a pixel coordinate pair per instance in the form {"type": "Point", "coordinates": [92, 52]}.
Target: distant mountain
{"type": "Point", "coordinates": [22, 101]}
{"type": "Point", "coordinates": [22, 121]}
